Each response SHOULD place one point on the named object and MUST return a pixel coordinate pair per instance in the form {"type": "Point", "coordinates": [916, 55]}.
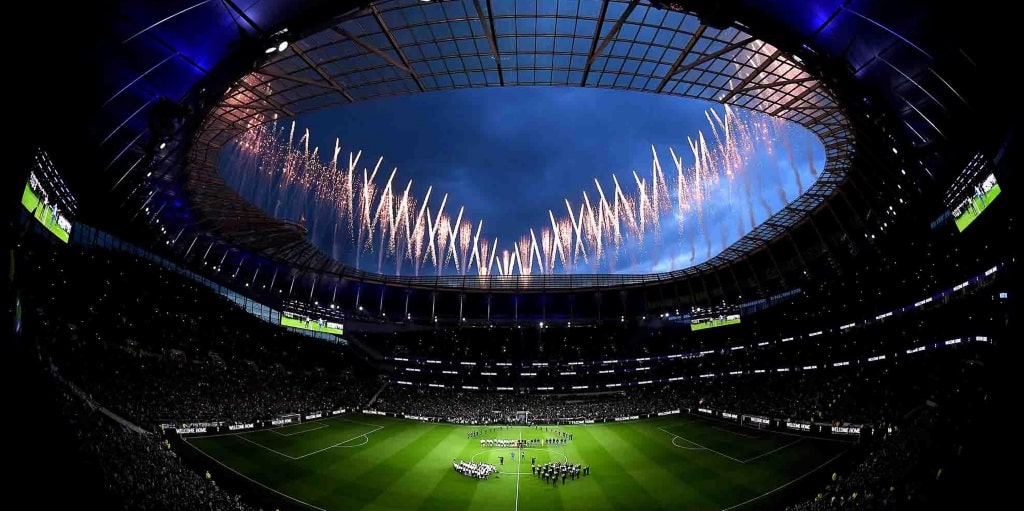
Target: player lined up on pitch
{"type": "Point", "coordinates": [479, 432]}
{"type": "Point", "coordinates": [551, 472]}
{"type": "Point", "coordinates": [521, 444]}
{"type": "Point", "coordinates": [477, 470]}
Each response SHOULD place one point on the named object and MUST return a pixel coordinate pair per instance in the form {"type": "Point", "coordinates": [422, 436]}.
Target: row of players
{"type": "Point", "coordinates": [552, 471]}
{"type": "Point", "coordinates": [477, 470]}
{"type": "Point", "coordinates": [479, 432]}
{"type": "Point", "coordinates": [520, 444]}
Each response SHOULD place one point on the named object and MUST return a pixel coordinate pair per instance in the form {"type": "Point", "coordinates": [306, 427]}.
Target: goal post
{"type": "Point", "coordinates": [523, 417]}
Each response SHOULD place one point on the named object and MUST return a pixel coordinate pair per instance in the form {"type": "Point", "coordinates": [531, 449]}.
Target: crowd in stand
{"type": "Point", "coordinates": [909, 467]}
{"type": "Point", "coordinates": [174, 351]}
{"type": "Point", "coordinates": [488, 408]}
{"type": "Point", "coordinates": [139, 470]}
{"type": "Point", "coordinates": [877, 394]}
{"type": "Point", "coordinates": [167, 390]}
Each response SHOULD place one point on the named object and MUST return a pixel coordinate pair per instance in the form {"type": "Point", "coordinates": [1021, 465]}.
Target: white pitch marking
{"type": "Point", "coordinates": [701, 446]}
{"type": "Point", "coordinates": [265, 447]}
{"type": "Point", "coordinates": [798, 440]}
{"type": "Point", "coordinates": [374, 430]}
{"type": "Point", "coordinates": [322, 426]}
{"type": "Point", "coordinates": [366, 440]}
{"type": "Point", "coordinates": [251, 479]}
{"type": "Point", "coordinates": [734, 432]}
{"type": "Point", "coordinates": [519, 472]}
{"type": "Point", "coordinates": [813, 470]}
{"type": "Point", "coordinates": [685, 447]}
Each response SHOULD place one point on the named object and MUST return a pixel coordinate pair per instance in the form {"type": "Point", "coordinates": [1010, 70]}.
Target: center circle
{"type": "Point", "coordinates": [543, 455]}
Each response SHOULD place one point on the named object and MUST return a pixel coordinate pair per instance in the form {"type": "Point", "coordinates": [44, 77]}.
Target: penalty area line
{"type": "Point", "coordinates": [685, 447]}
{"type": "Point", "coordinates": [215, 460]}
{"type": "Point", "coordinates": [321, 426]}
{"type": "Point", "coordinates": [722, 454]}
{"type": "Point", "coordinates": [275, 451]}
{"type": "Point", "coordinates": [374, 430]}
{"type": "Point", "coordinates": [769, 492]}
{"type": "Point", "coordinates": [733, 432]}
{"type": "Point", "coordinates": [775, 450]}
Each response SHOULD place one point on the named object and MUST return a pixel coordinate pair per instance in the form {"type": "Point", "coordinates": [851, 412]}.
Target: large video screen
{"type": "Point", "coordinates": [978, 198]}
{"type": "Point", "coordinates": [714, 321]}
{"type": "Point", "coordinates": [315, 325]}
{"type": "Point", "coordinates": [44, 209]}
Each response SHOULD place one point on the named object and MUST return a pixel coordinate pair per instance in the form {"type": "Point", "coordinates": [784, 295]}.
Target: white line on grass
{"type": "Point", "coordinates": [733, 432]}
{"type": "Point", "coordinates": [365, 438]}
{"type": "Point", "coordinates": [265, 447]}
{"type": "Point", "coordinates": [357, 422]}
{"type": "Point", "coordinates": [519, 472]}
{"type": "Point", "coordinates": [774, 432]}
{"type": "Point", "coordinates": [340, 443]}
{"type": "Point", "coordinates": [292, 425]}
{"type": "Point", "coordinates": [251, 479]}
{"type": "Point", "coordinates": [322, 426]}
{"type": "Point", "coordinates": [701, 446]}
{"type": "Point", "coordinates": [765, 494]}
{"type": "Point", "coordinates": [685, 447]}
{"type": "Point", "coordinates": [233, 433]}
{"type": "Point", "coordinates": [798, 440]}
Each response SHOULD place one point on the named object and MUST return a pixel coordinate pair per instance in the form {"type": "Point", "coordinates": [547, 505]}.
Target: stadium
{"type": "Point", "coordinates": [524, 254]}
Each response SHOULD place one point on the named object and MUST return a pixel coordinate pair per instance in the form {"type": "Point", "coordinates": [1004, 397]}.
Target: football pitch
{"type": "Point", "coordinates": [367, 462]}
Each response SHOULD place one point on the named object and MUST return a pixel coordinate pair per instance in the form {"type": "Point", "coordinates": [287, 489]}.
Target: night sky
{"type": "Point", "coordinates": [510, 154]}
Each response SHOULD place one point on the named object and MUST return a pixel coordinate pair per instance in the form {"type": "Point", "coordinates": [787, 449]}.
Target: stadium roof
{"type": "Point", "coordinates": [349, 51]}
{"type": "Point", "coordinates": [402, 47]}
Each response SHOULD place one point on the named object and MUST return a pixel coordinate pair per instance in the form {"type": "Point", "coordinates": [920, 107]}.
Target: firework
{"type": "Point", "coordinates": [405, 230]}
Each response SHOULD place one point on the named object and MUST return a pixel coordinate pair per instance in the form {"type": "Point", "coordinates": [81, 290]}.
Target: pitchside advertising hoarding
{"type": "Point", "coordinates": [199, 428]}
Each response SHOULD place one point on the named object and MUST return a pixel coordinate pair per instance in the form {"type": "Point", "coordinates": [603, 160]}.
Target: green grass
{"type": "Point", "coordinates": [681, 462]}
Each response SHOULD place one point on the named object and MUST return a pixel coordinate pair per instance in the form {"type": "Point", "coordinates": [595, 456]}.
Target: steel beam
{"type": "Point", "coordinates": [488, 26]}
{"type": "Point", "coordinates": [742, 87]}
{"type": "Point", "coordinates": [323, 74]}
{"type": "Point", "coordinates": [714, 55]}
{"type": "Point", "coordinates": [599, 49]}
{"type": "Point", "coordinates": [394, 45]}
{"type": "Point", "coordinates": [682, 56]}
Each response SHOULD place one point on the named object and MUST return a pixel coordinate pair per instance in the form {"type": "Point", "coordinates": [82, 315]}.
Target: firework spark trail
{"type": "Point", "coordinates": [794, 166]}
{"type": "Point", "coordinates": [453, 239]}
{"type": "Point", "coordinates": [273, 163]}
{"type": "Point", "coordinates": [810, 161]}
{"type": "Point", "coordinates": [466, 238]}
{"type": "Point", "coordinates": [693, 244]}
{"type": "Point", "coordinates": [577, 229]}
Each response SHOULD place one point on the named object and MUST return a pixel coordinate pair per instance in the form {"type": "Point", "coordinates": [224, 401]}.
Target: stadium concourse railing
{"type": "Point", "coordinates": [220, 427]}
{"type": "Point", "coordinates": [760, 421]}
{"type": "Point", "coordinates": [743, 419]}
{"type": "Point", "coordinates": [88, 236]}
{"type": "Point", "coordinates": [937, 297]}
